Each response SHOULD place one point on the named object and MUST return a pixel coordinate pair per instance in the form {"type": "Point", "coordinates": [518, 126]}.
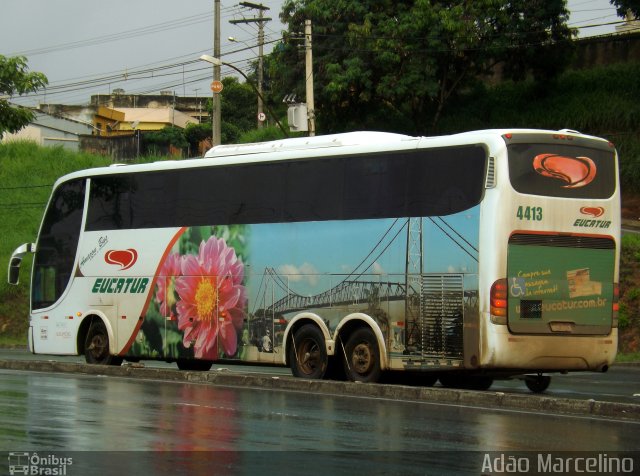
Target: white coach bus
{"type": "Point", "coordinates": [464, 257]}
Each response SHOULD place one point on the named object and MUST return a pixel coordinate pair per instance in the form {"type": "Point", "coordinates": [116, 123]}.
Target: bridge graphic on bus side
{"type": "Point", "coordinates": [358, 287]}
{"type": "Point", "coordinates": [346, 293]}
{"type": "Point", "coordinates": [428, 304]}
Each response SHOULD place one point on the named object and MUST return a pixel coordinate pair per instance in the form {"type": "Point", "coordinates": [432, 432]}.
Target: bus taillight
{"type": "Point", "coordinates": [615, 307]}
{"type": "Point", "coordinates": [498, 298]}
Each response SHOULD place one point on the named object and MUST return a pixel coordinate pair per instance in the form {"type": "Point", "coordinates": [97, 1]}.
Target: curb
{"type": "Point", "coordinates": [630, 223]}
{"type": "Point", "coordinates": [485, 399]}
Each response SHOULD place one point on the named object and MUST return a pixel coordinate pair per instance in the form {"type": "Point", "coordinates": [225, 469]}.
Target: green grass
{"type": "Point", "coordinates": [11, 342]}
{"type": "Point", "coordinates": [27, 174]}
{"type": "Point", "coordinates": [628, 357]}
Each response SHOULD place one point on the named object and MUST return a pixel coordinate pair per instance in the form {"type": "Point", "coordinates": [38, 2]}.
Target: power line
{"type": "Point", "coordinates": [15, 206]}
{"type": "Point", "coordinates": [127, 34]}
{"type": "Point", "coordinates": [26, 187]}
{"type": "Point", "coordinates": [136, 75]}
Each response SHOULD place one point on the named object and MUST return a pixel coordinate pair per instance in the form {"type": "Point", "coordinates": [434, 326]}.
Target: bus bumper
{"type": "Point", "coordinates": [30, 340]}
{"type": "Point", "coordinates": [501, 349]}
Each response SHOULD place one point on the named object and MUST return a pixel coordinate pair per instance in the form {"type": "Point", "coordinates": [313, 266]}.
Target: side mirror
{"type": "Point", "coordinates": [16, 261]}
{"type": "Point", "coordinates": [14, 270]}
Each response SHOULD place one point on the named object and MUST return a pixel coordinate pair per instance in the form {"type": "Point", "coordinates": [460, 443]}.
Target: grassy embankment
{"type": "Point", "coordinates": [27, 173]}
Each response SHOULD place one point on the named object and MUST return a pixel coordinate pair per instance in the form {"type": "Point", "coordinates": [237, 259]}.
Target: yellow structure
{"type": "Point", "coordinates": [124, 121]}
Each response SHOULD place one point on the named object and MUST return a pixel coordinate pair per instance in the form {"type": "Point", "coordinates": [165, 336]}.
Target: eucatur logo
{"type": "Point", "coordinates": [124, 258]}
{"type": "Point", "coordinates": [575, 172]}
{"type": "Point", "coordinates": [594, 212]}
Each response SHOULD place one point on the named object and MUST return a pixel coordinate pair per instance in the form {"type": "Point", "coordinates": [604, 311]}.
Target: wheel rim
{"type": "Point", "coordinates": [362, 358]}
{"type": "Point", "coordinates": [308, 356]}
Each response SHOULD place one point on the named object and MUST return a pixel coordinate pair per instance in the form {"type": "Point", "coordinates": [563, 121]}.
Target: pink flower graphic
{"type": "Point", "coordinates": [212, 299]}
{"type": "Point", "coordinates": [165, 296]}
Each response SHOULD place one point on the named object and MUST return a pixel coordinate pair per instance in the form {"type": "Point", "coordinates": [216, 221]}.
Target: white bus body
{"type": "Point", "coordinates": [481, 254]}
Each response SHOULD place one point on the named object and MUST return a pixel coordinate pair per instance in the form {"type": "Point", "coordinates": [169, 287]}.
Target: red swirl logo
{"type": "Point", "coordinates": [576, 172]}
{"type": "Point", "coordinates": [124, 258]}
{"type": "Point", "coordinates": [595, 212]}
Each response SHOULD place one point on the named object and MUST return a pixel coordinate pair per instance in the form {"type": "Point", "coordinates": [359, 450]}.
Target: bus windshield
{"type": "Point", "coordinates": [562, 170]}
{"type": "Point", "coordinates": [57, 244]}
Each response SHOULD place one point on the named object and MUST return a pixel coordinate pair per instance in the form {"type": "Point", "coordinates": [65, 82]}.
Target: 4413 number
{"type": "Point", "coordinates": [529, 213]}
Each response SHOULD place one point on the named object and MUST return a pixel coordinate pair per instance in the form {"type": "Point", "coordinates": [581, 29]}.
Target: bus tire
{"type": "Point", "coordinates": [194, 365]}
{"type": "Point", "coordinates": [466, 382]}
{"type": "Point", "coordinates": [362, 356]}
{"type": "Point", "coordinates": [537, 383]}
{"type": "Point", "coordinates": [308, 353]}
{"type": "Point", "coordinates": [96, 347]}
{"type": "Point", "coordinates": [427, 380]}
{"type": "Point", "coordinates": [480, 383]}
{"type": "Point", "coordinates": [450, 381]}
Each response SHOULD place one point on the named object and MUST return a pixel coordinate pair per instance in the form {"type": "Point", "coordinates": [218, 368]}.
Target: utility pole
{"type": "Point", "coordinates": [216, 113]}
{"type": "Point", "coordinates": [260, 20]}
{"type": "Point", "coordinates": [309, 78]}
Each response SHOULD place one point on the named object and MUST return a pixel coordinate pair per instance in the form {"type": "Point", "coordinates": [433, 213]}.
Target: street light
{"type": "Point", "coordinates": [219, 62]}
{"type": "Point", "coordinates": [233, 39]}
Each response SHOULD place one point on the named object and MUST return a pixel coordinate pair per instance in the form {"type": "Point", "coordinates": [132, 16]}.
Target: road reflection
{"type": "Point", "coordinates": [146, 427]}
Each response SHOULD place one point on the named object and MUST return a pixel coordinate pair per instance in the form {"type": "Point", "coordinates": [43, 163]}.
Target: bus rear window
{"type": "Point", "coordinates": [562, 170]}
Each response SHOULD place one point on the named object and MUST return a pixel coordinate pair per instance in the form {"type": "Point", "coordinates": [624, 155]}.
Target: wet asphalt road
{"type": "Point", "coordinates": [178, 428]}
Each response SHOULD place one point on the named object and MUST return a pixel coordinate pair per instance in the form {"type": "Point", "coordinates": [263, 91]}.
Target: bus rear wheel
{"type": "Point", "coordinates": [194, 364]}
{"type": "Point", "coordinates": [537, 383]}
{"type": "Point", "coordinates": [466, 382]}
{"type": "Point", "coordinates": [96, 346]}
{"type": "Point", "coordinates": [308, 353]}
{"type": "Point", "coordinates": [362, 356]}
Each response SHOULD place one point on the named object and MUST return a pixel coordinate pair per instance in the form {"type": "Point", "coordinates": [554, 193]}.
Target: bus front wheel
{"type": "Point", "coordinates": [96, 347]}
{"type": "Point", "coordinates": [308, 353]}
{"type": "Point", "coordinates": [362, 356]}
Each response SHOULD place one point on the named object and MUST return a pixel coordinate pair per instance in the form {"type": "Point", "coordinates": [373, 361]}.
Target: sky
{"type": "Point", "coordinates": [148, 46]}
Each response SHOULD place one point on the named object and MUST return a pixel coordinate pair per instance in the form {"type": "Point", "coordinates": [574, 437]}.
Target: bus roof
{"type": "Point", "coordinates": [306, 143]}
{"type": "Point", "coordinates": [318, 146]}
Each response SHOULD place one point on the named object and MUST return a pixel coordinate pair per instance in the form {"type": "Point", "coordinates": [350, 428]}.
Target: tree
{"type": "Point", "coordinates": [394, 65]}
{"type": "Point", "coordinates": [239, 109]}
{"type": "Point", "coordinates": [239, 104]}
{"type": "Point", "coordinates": [625, 6]}
{"type": "Point", "coordinates": [162, 139]}
{"type": "Point", "coordinates": [15, 78]}
{"type": "Point", "coordinates": [195, 133]}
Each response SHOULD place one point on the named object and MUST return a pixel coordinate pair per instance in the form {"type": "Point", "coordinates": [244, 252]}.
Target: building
{"type": "Point", "coordinates": [196, 107]}
{"type": "Point", "coordinates": [47, 130]}
{"type": "Point", "coordinates": [109, 121]}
